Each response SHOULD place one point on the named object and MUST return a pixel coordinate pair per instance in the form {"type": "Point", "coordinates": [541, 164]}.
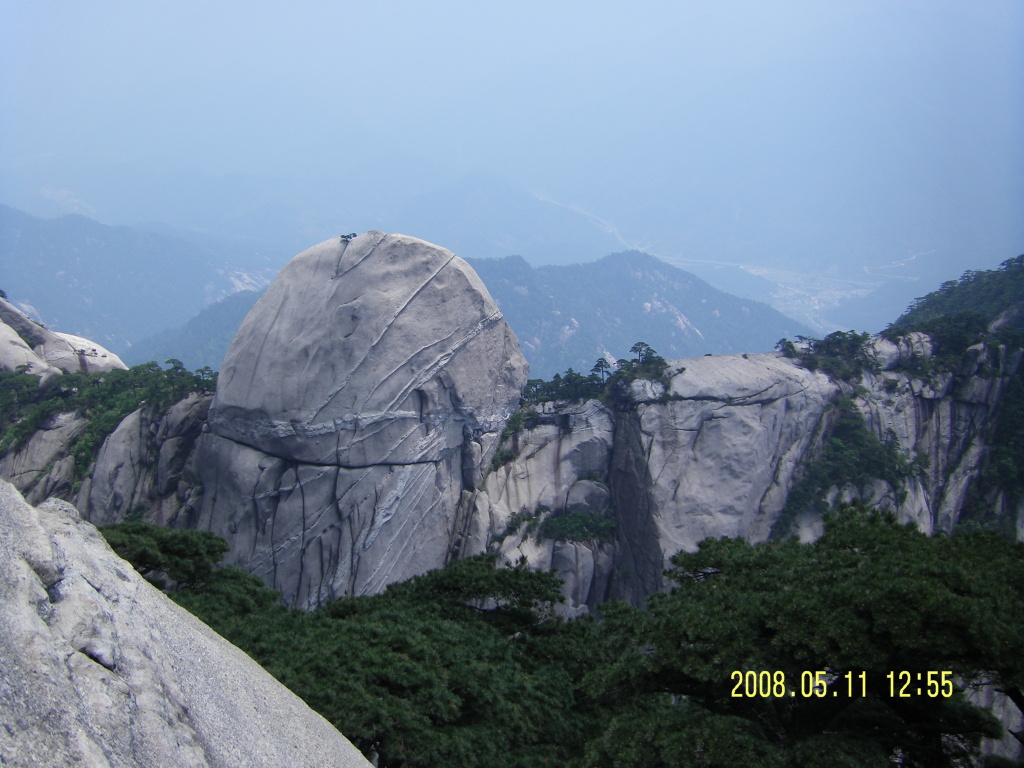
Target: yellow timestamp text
{"type": "Point", "coordinates": [821, 684]}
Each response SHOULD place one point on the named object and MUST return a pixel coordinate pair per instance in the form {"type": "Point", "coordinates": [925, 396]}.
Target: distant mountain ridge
{"type": "Point", "coordinates": [571, 315]}
{"type": "Point", "coordinates": [111, 284]}
{"type": "Point", "coordinates": [564, 316]}
{"type": "Point", "coordinates": [202, 340]}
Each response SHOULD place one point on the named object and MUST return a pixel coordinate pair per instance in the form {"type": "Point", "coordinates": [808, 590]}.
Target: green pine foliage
{"type": "Point", "coordinates": [1003, 470]}
{"type": "Point", "coordinates": [577, 525]}
{"type": "Point", "coordinates": [463, 666]}
{"type": "Point", "coordinates": [530, 519]}
{"type": "Point", "coordinates": [870, 597]}
{"type": "Point", "coordinates": [959, 313]}
{"type": "Point", "coordinates": [186, 558]}
{"type": "Point", "coordinates": [605, 382]}
{"type": "Point", "coordinates": [468, 666]}
{"type": "Point", "coordinates": [502, 457]}
{"type": "Point", "coordinates": [840, 354]}
{"type": "Point", "coordinates": [986, 292]}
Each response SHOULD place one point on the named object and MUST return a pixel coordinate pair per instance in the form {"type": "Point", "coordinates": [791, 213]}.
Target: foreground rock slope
{"type": "Point", "coordinates": [98, 668]}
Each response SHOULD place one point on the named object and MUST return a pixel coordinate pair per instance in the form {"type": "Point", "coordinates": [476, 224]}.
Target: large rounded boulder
{"type": "Point", "coordinates": [362, 394]}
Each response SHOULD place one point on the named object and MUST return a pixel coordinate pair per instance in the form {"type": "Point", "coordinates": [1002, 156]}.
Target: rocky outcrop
{"type": "Point", "coordinates": [946, 418]}
{"type": "Point", "coordinates": [98, 668]}
{"type": "Point", "coordinates": [350, 441]}
{"type": "Point", "coordinates": [43, 466]}
{"type": "Point", "coordinates": [23, 342]}
{"type": "Point", "coordinates": [717, 452]}
{"type": "Point", "coordinates": [363, 394]}
{"type": "Point", "coordinates": [561, 464]}
{"type": "Point", "coordinates": [147, 467]}
{"type": "Point", "coordinates": [714, 455]}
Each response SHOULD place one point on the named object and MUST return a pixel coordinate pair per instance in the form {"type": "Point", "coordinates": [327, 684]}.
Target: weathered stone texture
{"type": "Point", "coordinates": [47, 354]}
{"type": "Point", "coordinates": [363, 393]}
{"type": "Point", "coordinates": [148, 464]}
{"type": "Point", "coordinates": [98, 668]}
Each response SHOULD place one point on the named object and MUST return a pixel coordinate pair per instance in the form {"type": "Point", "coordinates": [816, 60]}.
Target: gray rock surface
{"type": "Point", "coordinates": [146, 467]}
{"type": "Point", "coordinates": [100, 669]}
{"type": "Point", "coordinates": [25, 342]}
{"type": "Point", "coordinates": [718, 460]}
{"type": "Point", "coordinates": [946, 419]}
{"type": "Point", "coordinates": [719, 455]}
{"type": "Point", "coordinates": [572, 440]}
{"type": "Point", "coordinates": [364, 392]}
{"type": "Point", "coordinates": [43, 466]}
{"type": "Point", "coordinates": [148, 464]}
{"type": "Point", "coordinates": [15, 353]}
{"type": "Point", "coordinates": [364, 396]}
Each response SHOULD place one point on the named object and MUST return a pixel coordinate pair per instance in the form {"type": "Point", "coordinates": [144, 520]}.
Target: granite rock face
{"type": "Point", "coordinates": [44, 466]}
{"type": "Point", "coordinates": [715, 455]}
{"type": "Point", "coordinates": [98, 668]}
{"type": "Point", "coordinates": [364, 392]}
{"type": "Point", "coordinates": [46, 353]}
{"type": "Point", "coordinates": [360, 405]}
{"type": "Point", "coordinates": [148, 463]}
{"type": "Point", "coordinates": [947, 419]}
{"type": "Point", "coordinates": [561, 464]}
{"type": "Point", "coordinates": [717, 452]}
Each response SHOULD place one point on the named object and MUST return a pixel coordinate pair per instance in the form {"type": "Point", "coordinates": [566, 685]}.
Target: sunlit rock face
{"type": "Point", "coordinates": [717, 452]}
{"type": "Point", "coordinates": [23, 342]}
{"type": "Point", "coordinates": [99, 668]}
{"type": "Point", "coordinates": [362, 395]}
{"type": "Point", "coordinates": [713, 456]}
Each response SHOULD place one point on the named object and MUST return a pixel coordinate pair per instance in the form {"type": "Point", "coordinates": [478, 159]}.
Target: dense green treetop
{"type": "Point", "coordinates": [986, 292]}
{"type": "Point", "coordinates": [605, 381]}
{"type": "Point", "coordinates": [870, 597]}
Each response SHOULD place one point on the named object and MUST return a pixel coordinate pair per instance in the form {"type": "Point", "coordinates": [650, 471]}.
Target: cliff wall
{"type": "Point", "coordinates": [717, 452]}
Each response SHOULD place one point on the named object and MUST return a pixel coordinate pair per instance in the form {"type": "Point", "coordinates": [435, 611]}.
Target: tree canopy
{"type": "Point", "coordinates": [469, 666]}
{"type": "Point", "coordinates": [869, 598]}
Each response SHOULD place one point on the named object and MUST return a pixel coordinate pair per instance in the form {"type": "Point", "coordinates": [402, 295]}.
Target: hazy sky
{"type": "Point", "coordinates": [700, 129]}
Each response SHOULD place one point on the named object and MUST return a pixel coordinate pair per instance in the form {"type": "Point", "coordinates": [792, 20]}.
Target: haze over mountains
{"type": "Point", "coordinates": [114, 284]}
{"type": "Point", "coordinates": [254, 224]}
{"type": "Point", "coordinates": [126, 285]}
{"type": "Point", "coordinates": [564, 316]}
{"type": "Point", "coordinates": [825, 159]}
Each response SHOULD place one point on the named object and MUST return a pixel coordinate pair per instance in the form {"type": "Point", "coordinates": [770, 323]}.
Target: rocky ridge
{"type": "Point", "coordinates": [717, 452]}
{"type": "Point", "coordinates": [44, 353]}
{"type": "Point", "coordinates": [99, 668]}
{"type": "Point", "coordinates": [350, 444]}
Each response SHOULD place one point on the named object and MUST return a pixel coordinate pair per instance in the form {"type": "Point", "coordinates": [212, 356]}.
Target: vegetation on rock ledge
{"type": "Point", "coordinates": [104, 399]}
{"type": "Point", "coordinates": [606, 382]}
{"type": "Point", "coordinates": [852, 455]}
